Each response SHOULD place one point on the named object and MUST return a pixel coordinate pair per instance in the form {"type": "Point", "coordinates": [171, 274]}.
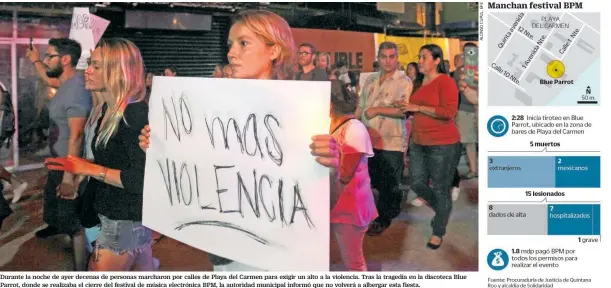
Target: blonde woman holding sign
{"type": "Point", "coordinates": [261, 46]}
{"type": "Point", "coordinates": [117, 173]}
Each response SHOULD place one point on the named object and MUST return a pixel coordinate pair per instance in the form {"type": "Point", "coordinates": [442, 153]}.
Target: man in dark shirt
{"type": "Point", "coordinates": [309, 72]}
{"type": "Point", "coordinates": [68, 111]}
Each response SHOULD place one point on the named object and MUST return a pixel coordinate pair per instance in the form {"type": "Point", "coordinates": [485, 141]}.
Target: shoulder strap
{"type": "Point", "coordinates": [342, 124]}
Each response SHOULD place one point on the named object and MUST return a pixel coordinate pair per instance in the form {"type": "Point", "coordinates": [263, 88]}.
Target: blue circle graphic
{"type": "Point", "coordinates": [498, 259]}
{"type": "Point", "coordinates": [498, 126]}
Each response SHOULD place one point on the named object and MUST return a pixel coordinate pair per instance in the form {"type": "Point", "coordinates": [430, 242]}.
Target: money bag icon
{"type": "Point", "coordinates": [498, 260]}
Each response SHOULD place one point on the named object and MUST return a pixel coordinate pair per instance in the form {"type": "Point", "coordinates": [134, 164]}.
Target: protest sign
{"type": "Point", "coordinates": [87, 29]}
{"type": "Point", "coordinates": [98, 26]}
{"type": "Point", "coordinates": [229, 169]}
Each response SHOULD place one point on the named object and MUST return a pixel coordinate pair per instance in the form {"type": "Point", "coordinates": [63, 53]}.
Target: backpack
{"type": "Point", "coordinates": [7, 123]}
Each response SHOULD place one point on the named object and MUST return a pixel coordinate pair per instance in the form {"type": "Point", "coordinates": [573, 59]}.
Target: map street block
{"type": "Point", "coordinates": [544, 59]}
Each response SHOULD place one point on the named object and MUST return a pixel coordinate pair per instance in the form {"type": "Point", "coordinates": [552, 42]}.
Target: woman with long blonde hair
{"type": "Point", "coordinates": [323, 61]}
{"type": "Point", "coordinates": [116, 174]}
{"type": "Point", "coordinates": [261, 46]}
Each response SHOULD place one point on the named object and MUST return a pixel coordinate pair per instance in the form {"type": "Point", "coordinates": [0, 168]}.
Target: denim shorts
{"type": "Point", "coordinates": [121, 236]}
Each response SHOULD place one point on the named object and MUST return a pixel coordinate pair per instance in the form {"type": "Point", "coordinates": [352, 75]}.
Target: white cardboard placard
{"type": "Point", "coordinates": [87, 29]}
{"type": "Point", "coordinates": [194, 190]}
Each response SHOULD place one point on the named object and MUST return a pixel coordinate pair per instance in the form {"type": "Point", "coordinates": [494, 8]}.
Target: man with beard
{"type": "Point", "coordinates": [68, 112]}
{"type": "Point", "coordinates": [309, 72]}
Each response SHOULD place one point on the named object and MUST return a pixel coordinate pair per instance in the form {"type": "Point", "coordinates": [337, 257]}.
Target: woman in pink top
{"type": "Point", "coordinates": [354, 208]}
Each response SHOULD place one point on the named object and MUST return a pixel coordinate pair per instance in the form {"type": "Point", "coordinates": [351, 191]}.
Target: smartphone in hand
{"type": "Point", "coordinates": [31, 43]}
{"type": "Point", "coordinates": [471, 65]}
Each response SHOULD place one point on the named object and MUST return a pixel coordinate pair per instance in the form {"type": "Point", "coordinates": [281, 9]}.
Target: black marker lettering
{"type": "Point", "coordinates": [225, 131]}
{"type": "Point", "coordinates": [176, 181]}
{"type": "Point", "coordinates": [184, 170]}
{"type": "Point", "coordinates": [167, 181]}
{"type": "Point", "coordinates": [299, 206]}
{"type": "Point", "coordinates": [211, 131]}
{"type": "Point", "coordinates": [229, 226]}
{"type": "Point", "coordinates": [185, 108]}
{"type": "Point", "coordinates": [219, 190]}
{"type": "Point", "coordinates": [167, 117]}
{"type": "Point", "coordinates": [242, 189]}
{"type": "Point", "coordinates": [238, 134]}
{"type": "Point", "coordinates": [253, 200]}
{"type": "Point", "coordinates": [276, 159]}
{"type": "Point", "coordinates": [281, 202]}
{"type": "Point", "coordinates": [252, 119]}
{"type": "Point", "coordinates": [81, 21]}
{"type": "Point", "coordinates": [208, 206]}
{"type": "Point", "coordinates": [271, 218]}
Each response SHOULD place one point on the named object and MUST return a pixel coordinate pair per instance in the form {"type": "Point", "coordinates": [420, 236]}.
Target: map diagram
{"type": "Point", "coordinates": [543, 59]}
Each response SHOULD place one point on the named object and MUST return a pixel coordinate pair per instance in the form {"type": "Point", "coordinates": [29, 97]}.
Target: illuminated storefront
{"type": "Point", "coordinates": [29, 145]}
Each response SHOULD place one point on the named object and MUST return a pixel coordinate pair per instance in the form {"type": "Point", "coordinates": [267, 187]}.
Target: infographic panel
{"type": "Point", "coordinates": [544, 150]}
{"type": "Point", "coordinates": [544, 59]}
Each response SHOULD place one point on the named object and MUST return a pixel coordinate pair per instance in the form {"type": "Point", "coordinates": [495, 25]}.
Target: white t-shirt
{"type": "Point", "coordinates": [90, 128]}
{"type": "Point", "coordinates": [355, 204]}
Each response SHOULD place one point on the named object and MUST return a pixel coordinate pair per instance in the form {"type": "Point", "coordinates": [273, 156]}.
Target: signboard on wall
{"type": "Point", "coordinates": [357, 49]}
{"type": "Point", "coordinates": [393, 7]}
{"type": "Point", "coordinates": [409, 47]}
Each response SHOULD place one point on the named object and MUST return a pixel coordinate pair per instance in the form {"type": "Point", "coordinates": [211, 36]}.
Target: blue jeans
{"type": "Point", "coordinates": [437, 163]}
{"type": "Point", "coordinates": [121, 236]}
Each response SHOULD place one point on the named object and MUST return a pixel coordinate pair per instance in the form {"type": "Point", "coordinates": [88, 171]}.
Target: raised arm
{"type": "Point", "coordinates": [41, 69]}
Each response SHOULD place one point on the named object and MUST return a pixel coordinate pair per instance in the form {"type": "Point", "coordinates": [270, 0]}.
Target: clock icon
{"type": "Point", "coordinates": [498, 126]}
